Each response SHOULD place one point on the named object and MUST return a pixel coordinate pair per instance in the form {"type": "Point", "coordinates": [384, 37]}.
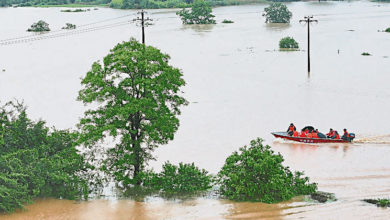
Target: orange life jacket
{"type": "Point", "coordinates": [291, 128]}
{"type": "Point", "coordinates": [330, 134]}
{"type": "Point", "coordinates": [310, 135]}
{"type": "Point", "coordinates": [303, 134]}
{"type": "Point", "coordinates": [314, 135]}
{"type": "Point", "coordinates": [346, 133]}
{"type": "Point", "coordinates": [295, 134]}
{"type": "Point", "coordinates": [337, 136]}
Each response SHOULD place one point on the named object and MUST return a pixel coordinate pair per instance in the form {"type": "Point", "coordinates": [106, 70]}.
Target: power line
{"type": "Point", "coordinates": [75, 32]}
{"type": "Point", "coordinates": [62, 30]}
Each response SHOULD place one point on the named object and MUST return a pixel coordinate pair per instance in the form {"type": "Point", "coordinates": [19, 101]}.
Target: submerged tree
{"type": "Point", "coordinates": [277, 12]}
{"type": "Point", "coordinates": [257, 174]}
{"type": "Point", "coordinates": [200, 13]}
{"type": "Point", "coordinates": [138, 97]}
{"type": "Point", "coordinates": [36, 161]}
{"type": "Point", "coordinates": [288, 43]}
{"type": "Point", "coordinates": [40, 26]}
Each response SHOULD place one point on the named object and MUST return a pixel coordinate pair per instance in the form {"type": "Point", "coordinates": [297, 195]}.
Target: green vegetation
{"type": "Point", "coordinates": [36, 161]}
{"type": "Point", "coordinates": [40, 26]}
{"type": "Point", "coordinates": [257, 174]}
{"type": "Point", "coordinates": [185, 178]}
{"type": "Point", "coordinates": [200, 13]}
{"type": "Point", "coordinates": [379, 202]}
{"type": "Point", "coordinates": [123, 4]}
{"type": "Point", "coordinates": [225, 21]}
{"type": "Point", "coordinates": [366, 54]}
{"type": "Point", "coordinates": [75, 10]}
{"type": "Point", "coordinates": [138, 97]}
{"type": "Point", "coordinates": [69, 26]}
{"type": "Point", "coordinates": [277, 13]}
{"type": "Point", "coordinates": [288, 43]}
{"type": "Point", "coordinates": [387, 30]}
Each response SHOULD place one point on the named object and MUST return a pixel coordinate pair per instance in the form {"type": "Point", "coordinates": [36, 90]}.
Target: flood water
{"type": "Point", "coordinates": [240, 87]}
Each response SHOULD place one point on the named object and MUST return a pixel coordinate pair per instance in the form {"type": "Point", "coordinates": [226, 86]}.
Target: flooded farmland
{"type": "Point", "coordinates": [240, 86]}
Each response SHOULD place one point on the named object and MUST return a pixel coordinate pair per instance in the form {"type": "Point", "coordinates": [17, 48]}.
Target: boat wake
{"type": "Point", "coordinates": [379, 139]}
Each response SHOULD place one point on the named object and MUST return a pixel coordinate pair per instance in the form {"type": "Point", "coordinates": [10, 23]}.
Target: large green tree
{"type": "Point", "coordinates": [277, 12]}
{"type": "Point", "coordinates": [137, 94]}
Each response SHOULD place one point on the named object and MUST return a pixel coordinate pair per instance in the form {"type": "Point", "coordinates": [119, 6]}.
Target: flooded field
{"type": "Point", "coordinates": [240, 86]}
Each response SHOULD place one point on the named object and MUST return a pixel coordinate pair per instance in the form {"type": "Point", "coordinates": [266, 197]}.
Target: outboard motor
{"type": "Point", "coordinates": [351, 136]}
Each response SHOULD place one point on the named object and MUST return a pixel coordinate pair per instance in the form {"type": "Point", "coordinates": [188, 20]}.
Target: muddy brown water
{"type": "Point", "coordinates": [240, 87]}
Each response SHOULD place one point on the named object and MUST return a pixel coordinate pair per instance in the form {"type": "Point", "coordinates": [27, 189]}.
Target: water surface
{"type": "Point", "coordinates": [240, 87]}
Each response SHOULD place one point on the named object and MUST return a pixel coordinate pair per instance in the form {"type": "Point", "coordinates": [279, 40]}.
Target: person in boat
{"type": "Point", "coordinates": [345, 136]}
{"type": "Point", "coordinates": [310, 134]}
{"type": "Point", "coordinates": [303, 133]}
{"type": "Point", "coordinates": [331, 134]}
{"type": "Point", "coordinates": [315, 134]}
{"type": "Point", "coordinates": [291, 129]}
{"type": "Point", "coordinates": [336, 135]}
{"type": "Point", "coordinates": [295, 134]}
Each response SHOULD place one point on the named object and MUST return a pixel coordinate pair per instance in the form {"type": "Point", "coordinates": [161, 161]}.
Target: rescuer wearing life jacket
{"type": "Point", "coordinates": [291, 129]}
{"type": "Point", "coordinates": [330, 134]}
{"type": "Point", "coordinates": [303, 133]}
{"type": "Point", "coordinates": [336, 135]}
{"type": "Point", "coordinates": [345, 135]}
{"type": "Point", "coordinates": [315, 134]}
{"type": "Point", "coordinates": [310, 134]}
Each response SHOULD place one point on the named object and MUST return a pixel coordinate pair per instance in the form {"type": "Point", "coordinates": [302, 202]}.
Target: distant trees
{"type": "Point", "coordinates": [200, 13]}
{"type": "Point", "coordinates": [40, 26]}
{"type": "Point", "coordinates": [387, 30]}
{"type": "Point", "coordinates": [277, 13]}
{"type": "Point", "coordinates": [138, 99]}
{"type": "Point", "coordinates": [288, 43]}
{"type": "Point", "coordinates": [256, 173]}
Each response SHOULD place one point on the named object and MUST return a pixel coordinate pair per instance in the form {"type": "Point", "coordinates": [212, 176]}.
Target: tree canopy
{"type": "Point", "coordinates": [288, 43]}
{"type": "Point", "coordinates": [138, 99]}
{"type": "Point", "coordinates": [36, 161]}
{"type": "Point", "coordinates": [256, 173]}
{"type": "Point", "coordinates": [40, 26]}
{"type": "Point", "coordinates": [277, 12]}
{"type": "Point", "coordinates": [200, 13]}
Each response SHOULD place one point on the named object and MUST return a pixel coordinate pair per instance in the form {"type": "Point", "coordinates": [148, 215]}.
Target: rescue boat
{"type": "Point", "coordinates": [284, 135]}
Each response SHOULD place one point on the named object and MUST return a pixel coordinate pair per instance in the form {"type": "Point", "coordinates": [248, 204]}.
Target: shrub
{"type": "Point", "coordinates": [277, 13]}
{"type": "Point", "coordinates": [174, 179]}
{"type": "Point", "coordinates": [200, 13]}
{"type": "Point", "coordinates": [288, 43]}
{"type": "Point", "coordinates": [69, 26]}
{"type": "Point", "coordinates": [40, 26]}
{"type": "Point", "coordinates": [36, 161]}
{"type": "Point", "coordinates": [387, 30]}
{"type": "Point", "coordinates": [366, 54]}
{"type": "Point", "coordinates": [227, 21]}
{"type": "Point", "coordinates": [255, 173]}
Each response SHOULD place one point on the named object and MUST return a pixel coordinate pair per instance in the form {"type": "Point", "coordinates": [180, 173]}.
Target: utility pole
{"type": "Point", "coordinates": [143, 22]}
{"type": "Point", "coordinates": [308, 20]}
